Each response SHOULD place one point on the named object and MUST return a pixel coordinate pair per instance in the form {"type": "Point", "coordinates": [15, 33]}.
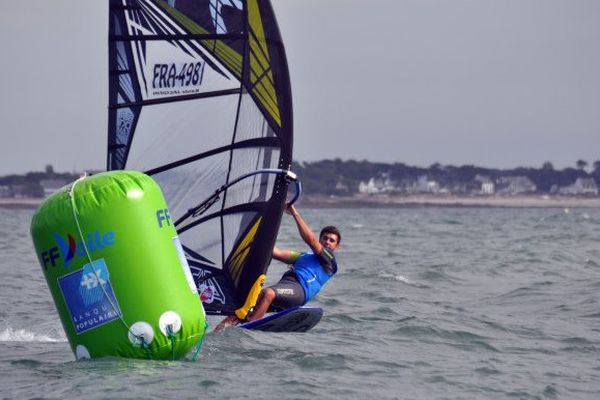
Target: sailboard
{"type": "Point", "coordinates": [200, 99]}
{"type": "Point", "coordinates": [295, 319]}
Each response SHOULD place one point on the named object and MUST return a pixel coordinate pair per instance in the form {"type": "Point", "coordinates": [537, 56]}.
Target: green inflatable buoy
{"type": "Point", "coordinates": [116, 269]}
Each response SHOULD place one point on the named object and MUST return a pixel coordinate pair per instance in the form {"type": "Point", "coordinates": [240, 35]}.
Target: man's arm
{"type": "Point", "coordinates": [286, 256]}
{"type": "Point", "coordinates": [305, 232]}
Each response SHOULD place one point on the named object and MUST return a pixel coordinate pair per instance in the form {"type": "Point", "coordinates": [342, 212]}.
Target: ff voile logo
{"type": "Point", "coordinates": [68, 248]}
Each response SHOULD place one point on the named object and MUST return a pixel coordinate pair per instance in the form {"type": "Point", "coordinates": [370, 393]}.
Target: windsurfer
{"type": "Point", "coordinates": [308, 273]}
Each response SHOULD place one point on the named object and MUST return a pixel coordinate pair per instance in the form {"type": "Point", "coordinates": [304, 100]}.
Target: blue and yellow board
{"type": "Point", "coordinates": [295, 319]}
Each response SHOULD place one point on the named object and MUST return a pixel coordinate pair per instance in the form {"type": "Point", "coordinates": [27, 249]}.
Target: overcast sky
{"type": "Point", "coordinates": [495, 83]}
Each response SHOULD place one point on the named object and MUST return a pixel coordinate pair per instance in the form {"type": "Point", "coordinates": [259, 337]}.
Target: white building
{"type": "Point", "coordinates": [52, 185]}
{"type": "Point", "coordinates": [426, 185]}
{"type": "Point", "coordinates": [377, 186]}
{"type": "Point", "coordinates": [488, 187]}
{"type": "Point", "coordinates": [341, 187]}
{"type": "Point", "coordinates": [5, 191]}
{"type": "Point", "coordinates": [374, 186]}
{"type": "Point", "coordinates": [582, 186]}
{"type": "Point", "coordinates": [515, 185]}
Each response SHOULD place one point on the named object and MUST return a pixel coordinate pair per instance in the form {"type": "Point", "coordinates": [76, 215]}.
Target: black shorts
{"type": "Point", "coordinates": [288, 293]}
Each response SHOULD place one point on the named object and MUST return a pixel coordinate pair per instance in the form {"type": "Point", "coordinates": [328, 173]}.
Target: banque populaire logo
{"type": "Point", "coordinates": [68, 248]}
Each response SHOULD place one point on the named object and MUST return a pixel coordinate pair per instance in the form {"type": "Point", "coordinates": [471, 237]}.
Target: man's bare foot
{"type": "Point", "coordinates": [231, 320]}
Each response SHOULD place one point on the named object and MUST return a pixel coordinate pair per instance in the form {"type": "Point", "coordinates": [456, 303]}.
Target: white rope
{"type": "Point", "coordinates": [138, 338]}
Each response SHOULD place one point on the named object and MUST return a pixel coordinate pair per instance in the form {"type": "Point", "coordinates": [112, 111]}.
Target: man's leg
{"type": "Point", "coordinates": [266, 297]}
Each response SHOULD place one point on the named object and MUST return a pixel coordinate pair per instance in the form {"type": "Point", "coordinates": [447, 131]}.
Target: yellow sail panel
{"type": "Point", "coordinates": [241, 251]}
{"type": "Point", "coordinates": [262, 93]}
{"type": "Point", "coordinates": [261, 76]}
{"type": "Point", "coordinates": [264, 87]}
{"type": "Point", "coordinates": [221, 50]}
{"type": "Point", "coordinates": [236, 263]}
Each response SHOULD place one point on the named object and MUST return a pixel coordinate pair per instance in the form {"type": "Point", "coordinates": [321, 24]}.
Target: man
{"type": "Point", "coordinates": [308, 273]}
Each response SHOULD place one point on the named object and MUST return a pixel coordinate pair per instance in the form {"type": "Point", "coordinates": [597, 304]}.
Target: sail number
{"type": "Point", "coordinates": [169, 76]}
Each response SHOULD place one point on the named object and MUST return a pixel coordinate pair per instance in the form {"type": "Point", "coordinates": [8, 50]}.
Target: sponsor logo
{"type": "Point", "coordinates": [89, 296]}
{"type": "Point", "coordinates": [207, 293]}
{"type": "Point", "coordinates": [285, 291]}
{"type": "Point", "coordinates": [50, 256]}
{"type": "Point", "coordinates": [68, 248]}
{"type": "Point", "coordinates": [208, 286]}
{"type": "Point", "coordinates": [163, 217]}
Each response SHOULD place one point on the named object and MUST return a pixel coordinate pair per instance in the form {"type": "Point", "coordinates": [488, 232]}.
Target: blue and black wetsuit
{"type": "Point", "coordinates": [308, 275]}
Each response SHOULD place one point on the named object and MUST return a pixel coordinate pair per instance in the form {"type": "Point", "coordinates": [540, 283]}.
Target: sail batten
{"type": "Point", "coordinates": [227, 92]}
{"type": "Point", "coordinates": [258, 142]}
{"type": "Point", "coordinates": [182, 37]}
{"type": "Point", "coordinates": [247, 207]}
{"type": "Point", "coordinates": [200, 99]}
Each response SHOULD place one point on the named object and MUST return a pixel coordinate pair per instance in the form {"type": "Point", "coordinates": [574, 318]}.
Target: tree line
{"type": "Point", "coordinates": [332, 176]}
{"type": "Point", "coordinates": [340, 177]}
{"type": "Point", "coordinates": [30, 183]}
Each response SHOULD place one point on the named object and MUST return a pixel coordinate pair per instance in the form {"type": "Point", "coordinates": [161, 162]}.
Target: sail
{"type": "Point", "coordinates": [200, 99]}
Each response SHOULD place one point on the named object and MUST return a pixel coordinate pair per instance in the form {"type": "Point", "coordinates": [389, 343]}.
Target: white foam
{"type": "Point", "coordinates": [398, 278]}
{"type": "Point", "coordinates": [22, 335]}
{"type": "Point", "coordinates": [401, 278]}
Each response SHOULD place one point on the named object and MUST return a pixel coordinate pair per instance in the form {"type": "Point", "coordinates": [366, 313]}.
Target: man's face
{"type": "Point", "coordinates": [329, 240]}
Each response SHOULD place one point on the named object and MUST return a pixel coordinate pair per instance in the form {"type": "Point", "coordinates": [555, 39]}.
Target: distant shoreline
{"type": "Point", "coordinates": [14, 203]}
{"type": "Point", "coordinates": [387, 201]}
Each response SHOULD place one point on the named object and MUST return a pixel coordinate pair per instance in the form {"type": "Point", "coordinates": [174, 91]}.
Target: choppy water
{"type": "Point", "coordinates": [430, 303]}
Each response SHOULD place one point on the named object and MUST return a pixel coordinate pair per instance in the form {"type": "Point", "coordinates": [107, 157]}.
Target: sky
{"type": "Point", "coordinates": [494, 83]}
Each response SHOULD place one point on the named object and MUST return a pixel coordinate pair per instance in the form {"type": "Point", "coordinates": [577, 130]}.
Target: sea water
{"type": "Point", "coordinates": [429, 303]}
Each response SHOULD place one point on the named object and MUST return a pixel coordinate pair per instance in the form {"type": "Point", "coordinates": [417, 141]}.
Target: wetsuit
{"type": "Point", "coordinates": [306, 278]}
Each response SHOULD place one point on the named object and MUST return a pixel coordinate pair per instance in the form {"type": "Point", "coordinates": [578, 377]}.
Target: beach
{"type": "Point", "coordinates": [396, 201]}
{"type": "Point", "coordinates": [374, 201]}
{"type": "Point", "coordinates": [10, 202]}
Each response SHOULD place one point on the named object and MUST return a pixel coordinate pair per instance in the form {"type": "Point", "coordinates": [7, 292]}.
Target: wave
{"type": "Point", "coordinates": [22, 335]}
{"type": "Point", "coordinates": [399, 278]}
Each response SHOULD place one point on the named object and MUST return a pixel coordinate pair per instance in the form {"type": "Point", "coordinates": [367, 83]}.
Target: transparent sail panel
{"type": "Point", "coordinates": [188, 186]}
{"type": "Point", "coordinates": [252, 120]}
{"type": "Point", "coordinates": [175, 131]}
{"type": "Point", "coordinates": [205, 241]}
{"type": "Point", "coordinates": [256, 188]}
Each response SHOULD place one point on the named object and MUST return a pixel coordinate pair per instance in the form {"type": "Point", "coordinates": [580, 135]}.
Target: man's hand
{"type": "Point", "coordinates": [290, 209]}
